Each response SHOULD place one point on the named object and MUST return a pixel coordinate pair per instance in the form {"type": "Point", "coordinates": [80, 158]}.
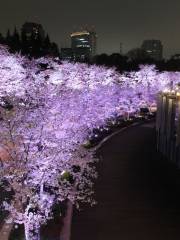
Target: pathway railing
{"type": "Point", "coordinates": [168, 125]}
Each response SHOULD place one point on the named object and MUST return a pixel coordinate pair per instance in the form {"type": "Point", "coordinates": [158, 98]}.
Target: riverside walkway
{"type": "Point", "coordinates": [138, 193]}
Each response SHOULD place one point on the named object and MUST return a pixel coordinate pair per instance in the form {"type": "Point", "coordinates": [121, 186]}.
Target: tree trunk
{"type": "Point", "coordinates": [32, 231]}
{"type": "Point", "coordinates": [6, 230]}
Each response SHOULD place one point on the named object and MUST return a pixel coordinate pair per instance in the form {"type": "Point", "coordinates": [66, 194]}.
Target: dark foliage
{"type": "Point", "coordinates": [33, 45]}
{"type": "Point", "coordinates": [126, 63]}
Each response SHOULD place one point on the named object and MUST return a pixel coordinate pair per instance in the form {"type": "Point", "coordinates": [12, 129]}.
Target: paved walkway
{"type": "Point", "coordinates": [138, 193]}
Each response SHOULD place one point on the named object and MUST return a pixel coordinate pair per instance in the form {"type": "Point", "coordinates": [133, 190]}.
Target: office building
{"type": "Point", "coordinates": [83, 45]}
{"type": "Point", "coordinates": [33, 36]}
{"type": "Point", "coordinates": [66, 54]}
{"type": "Point", "coordinates": [153, 48]}
{"type": "Point", "coordinates": [33, 31]}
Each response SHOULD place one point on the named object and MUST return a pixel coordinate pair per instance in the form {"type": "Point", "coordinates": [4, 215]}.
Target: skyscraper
{"type": "Point", "coordinates": [32, 30]}
{"type": "Point", "coordinates": [83, 45]}
{"type": "Point", "coordinates": [32, 35]}
{"type": "Point", "coordinates": [153, 48]}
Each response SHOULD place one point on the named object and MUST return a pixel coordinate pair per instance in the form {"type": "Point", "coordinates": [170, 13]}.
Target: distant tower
{"type": "Point", "coordinates": [32, 35]}
{"type": "Point", "coordinates": [153, 48]}
{"type": "Point", "coordinates": [121, 48]}
{"type": "Point", "coordinates": [83, 45]}
{"type": "Point", "coordinates": [32, 30]}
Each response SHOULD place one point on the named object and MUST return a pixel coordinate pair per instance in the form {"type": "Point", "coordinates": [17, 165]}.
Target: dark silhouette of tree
{"type": "Point", "coordinates": [47, 45]}
{"type": "Point", "coordinates": [101, 59]}
{"type": "Point", "coordinates": [15, 44]}
{"type": "Point", "coordinates": [34, 44]}
{"type": "Point", "coordinates": [54, 50]}
{"type": "Point", "coordinates": [116, 60]}
{"type": "Point", "coordinates": [173, 64]}
{"type": "Point", "coordinates": [129, 62]}
{"type": "Point", "coordinates": [8, 39]}
{"type": "Point", "coordinates": [2, 40]}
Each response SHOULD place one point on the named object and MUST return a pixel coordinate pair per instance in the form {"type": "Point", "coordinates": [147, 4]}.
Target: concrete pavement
{"type": "Point", "coordinates": [138, 193]}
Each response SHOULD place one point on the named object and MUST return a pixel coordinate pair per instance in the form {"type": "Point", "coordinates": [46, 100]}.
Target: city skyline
{"type": "Point", "coordinates": [115, 22]}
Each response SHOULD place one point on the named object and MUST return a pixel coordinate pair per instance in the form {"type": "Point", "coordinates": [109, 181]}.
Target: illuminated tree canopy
{"type": "Point", "coordinates": [47, 111]}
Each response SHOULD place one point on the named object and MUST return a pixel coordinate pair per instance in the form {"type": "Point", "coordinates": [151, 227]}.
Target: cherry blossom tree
{"type": "Point", "coordinates": [54, 107]}
{"type": "Point", "coordinates": [43, 143]}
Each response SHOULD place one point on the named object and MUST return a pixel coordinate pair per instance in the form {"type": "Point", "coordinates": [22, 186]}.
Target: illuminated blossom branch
{"type": "Point", "coordinates": [55, 107]}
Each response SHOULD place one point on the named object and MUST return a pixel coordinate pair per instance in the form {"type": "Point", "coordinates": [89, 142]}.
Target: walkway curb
{"type": "Point", "coordinates": [114, 134]}
{"type": "Point", "coordinates": [67, 221]}
{"type": "Point", "coordinates": [67, 235]}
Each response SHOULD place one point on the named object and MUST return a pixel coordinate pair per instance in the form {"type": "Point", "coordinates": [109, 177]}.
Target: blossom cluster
{"type": "Point", "coordinates": [48, 108]}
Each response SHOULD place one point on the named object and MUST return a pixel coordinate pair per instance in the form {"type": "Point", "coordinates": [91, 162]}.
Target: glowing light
{"type": "Point", "coordinates": [80, 33]}
{"type": "Point", "coordinates": [53, 113]}
{"type": "Point", "coordinates": [166, 91]}
{"type": "Point", "coordinates": [63, 172]}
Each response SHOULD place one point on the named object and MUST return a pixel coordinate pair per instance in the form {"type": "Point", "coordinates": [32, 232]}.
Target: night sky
{"type": "Point", "coordinates": [115, 21]}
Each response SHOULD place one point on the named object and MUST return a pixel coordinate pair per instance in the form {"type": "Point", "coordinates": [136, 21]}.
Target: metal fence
{"type": "Point", "coordinates": [168, 125]}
